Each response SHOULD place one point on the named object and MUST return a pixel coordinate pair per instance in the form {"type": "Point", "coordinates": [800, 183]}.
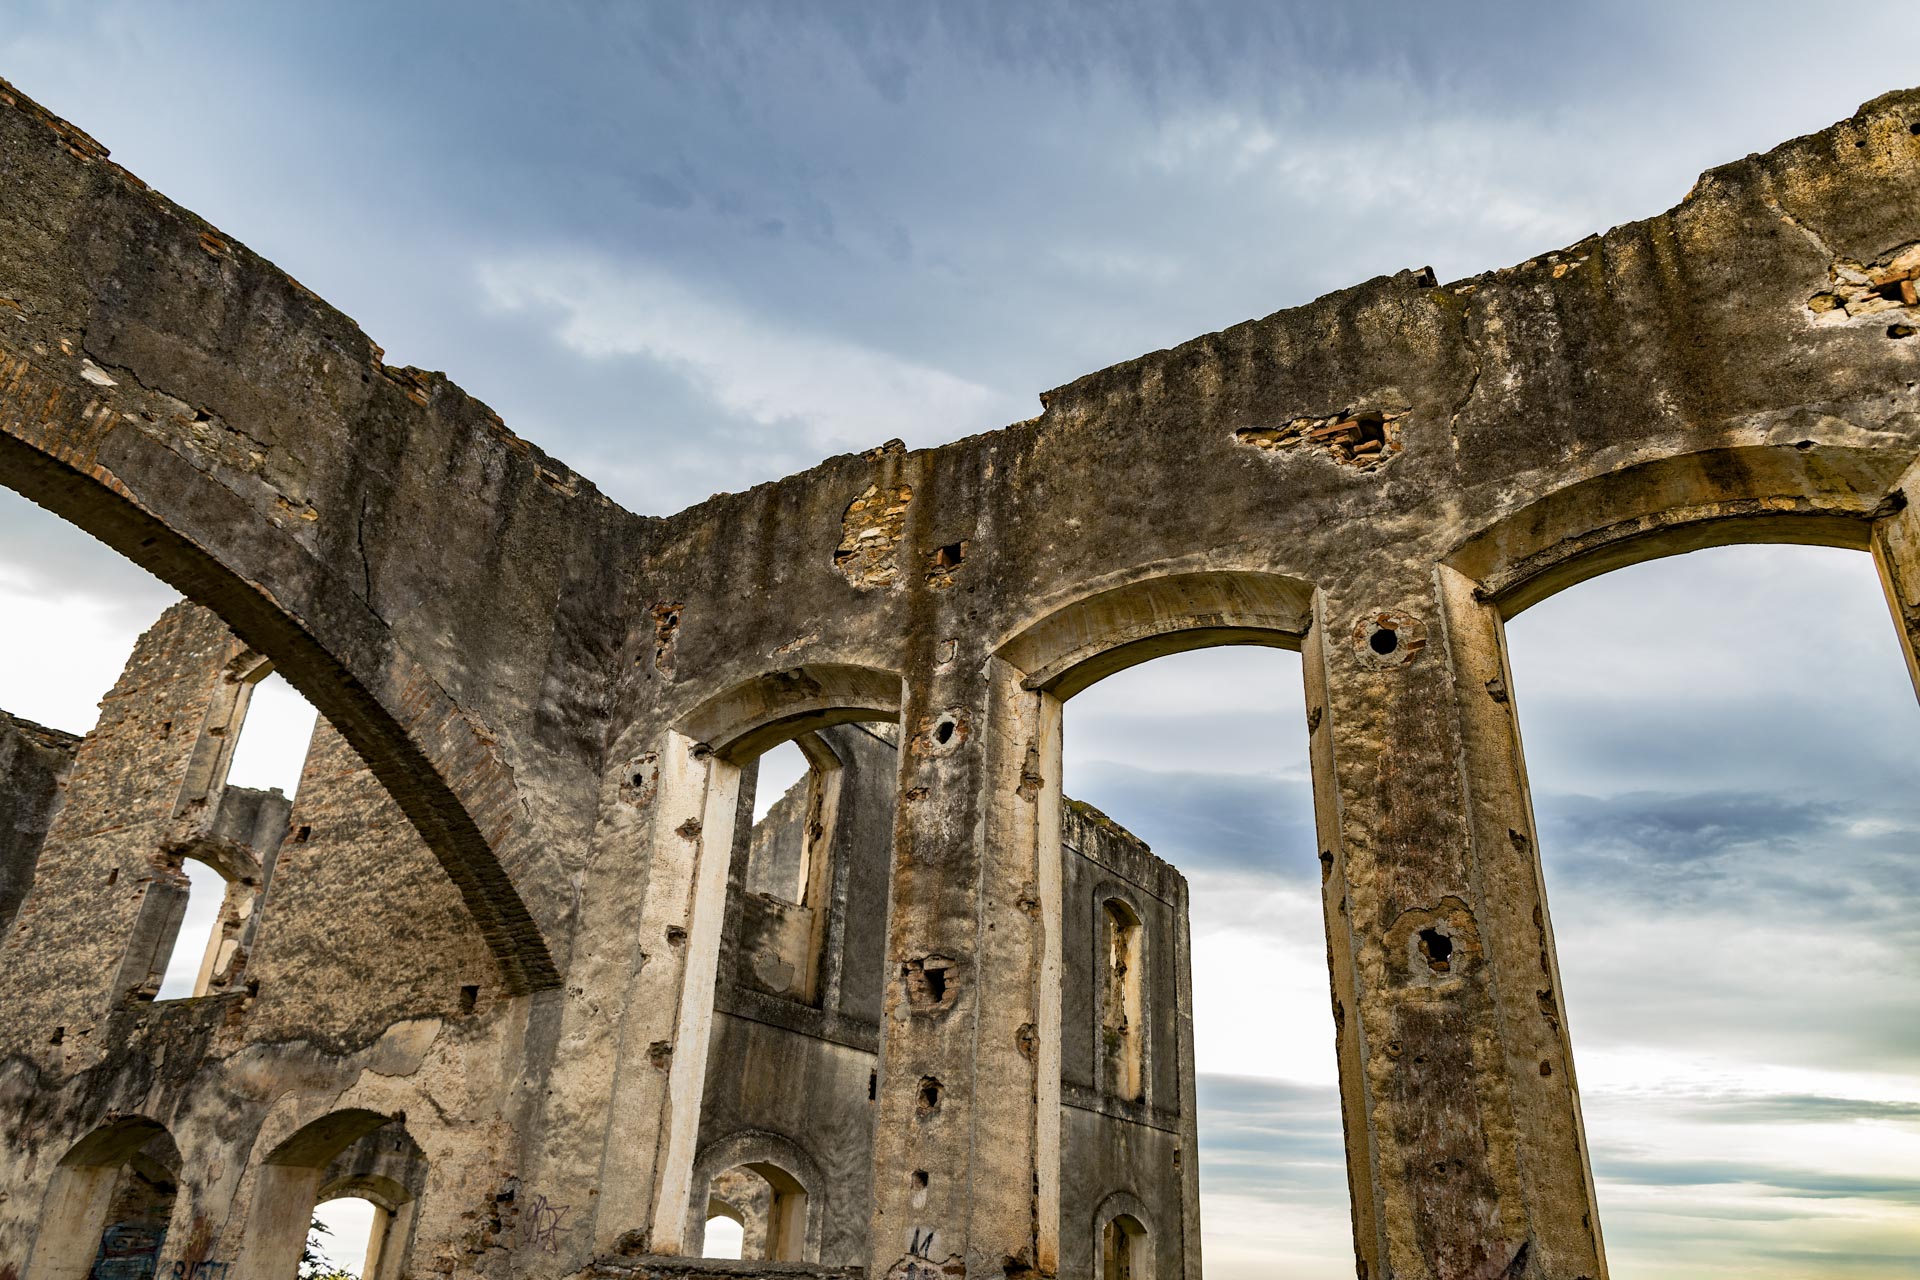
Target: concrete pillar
{"type": "Point", "coordinates": [1464, 1141]}
{"type": "Point", "coordinates": [1896, 553]}
{"type": "Point", "coordinates": [973, 993]}
{"type": "Point", "coordinates": [654, 1108]}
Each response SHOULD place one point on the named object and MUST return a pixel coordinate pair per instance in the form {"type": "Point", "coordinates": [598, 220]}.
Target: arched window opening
{"type": "Point", "coordinates": [347, 1237]}
{"type": "Point", "coordinates": [767, 1208]}
{"type": "Point", "coordinates": [109, 1206]}
{"type": "Point", "coordinates": [1123, 1029]}
{"type": "Point", "coordinates": [1124, 1251]}
{"type": "Point", "coordinates": [1723, 749]}
{"type": "Point", "coordinates": [323, 1172]}
{"type": "Point", "coordinates": [726, 1235]}
{"type": "Point", "coordinates": [1190, 857]}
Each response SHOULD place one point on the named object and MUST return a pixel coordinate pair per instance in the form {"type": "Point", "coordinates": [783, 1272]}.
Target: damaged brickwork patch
{"type": "Point", "coordinates": [942, 733]}
{"type": "Point", "coordinates": [1859, 289]}
{"type": "Point", "coordinates": [943, 562]}
{"type": "Point", "coordinates": [666, 626]}
{"type": "Point", "coordinates": [870, 533]}
{"type": "Point", "coordinates": [642, 781]}
{"type": "Point", "coordinates": [1359, 438]}
{"type": "Point", "coordinates": [930, 984]}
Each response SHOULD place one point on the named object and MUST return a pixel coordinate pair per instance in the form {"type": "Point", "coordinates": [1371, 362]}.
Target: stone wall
{"type": "Point", "coordinates": [34, 761]}
{"type": "Point", "coordinates": [563, 701]}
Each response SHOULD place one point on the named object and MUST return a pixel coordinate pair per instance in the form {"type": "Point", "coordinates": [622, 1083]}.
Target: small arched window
{"type": "Point", "coordinates": [758, 1211]}
{"type": "Point", "coordinates": [1124, 1250]}
{"type": "Point", "coordinates": [1122, 1013]}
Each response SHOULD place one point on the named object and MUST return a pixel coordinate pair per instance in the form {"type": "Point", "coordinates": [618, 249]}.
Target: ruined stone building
{"type": "Point", "coordinates": [517, 965]}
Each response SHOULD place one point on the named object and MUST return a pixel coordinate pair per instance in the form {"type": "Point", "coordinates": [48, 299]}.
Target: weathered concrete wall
{"type": "Point", "coordinates": [560, 697]}
{"type": "Point", "coordinates": [34, 761]}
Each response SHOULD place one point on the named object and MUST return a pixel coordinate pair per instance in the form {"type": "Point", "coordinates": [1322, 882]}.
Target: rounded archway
{"type": "Point", "coordinates": [110, 1203]}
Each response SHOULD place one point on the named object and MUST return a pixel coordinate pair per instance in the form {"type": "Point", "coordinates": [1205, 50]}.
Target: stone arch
{"type": "Point", "coordinates": [394, 1203]}
{"type": "Point", "coordinates": [1799, 490]}
{"type": "Point", "coordinates": [1082, 640]}
{"type": "Point", "coordinates": [800, 1190]}
{"type": "Point", "coordinates": [317, 632]}
{"type": "Point", "coordinates": [297, 1172]}
{"type": "Point", "coordinates": [80, 1195]}
{"type": "Point", "coordinates": [768, 709]}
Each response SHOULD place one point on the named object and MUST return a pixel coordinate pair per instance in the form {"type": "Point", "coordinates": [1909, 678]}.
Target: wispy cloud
{"type": "Point", "coordinates": [834, 392]}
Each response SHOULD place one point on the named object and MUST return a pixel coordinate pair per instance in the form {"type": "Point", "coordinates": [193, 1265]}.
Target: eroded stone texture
{"type": "Point", "coordinates": [34, 761]}
{"type": "Point", "coordinates": [521, 939]}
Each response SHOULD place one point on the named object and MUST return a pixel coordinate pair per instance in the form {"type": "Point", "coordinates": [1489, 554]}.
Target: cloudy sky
{"type": "Point", "coordinates": [690, 247]}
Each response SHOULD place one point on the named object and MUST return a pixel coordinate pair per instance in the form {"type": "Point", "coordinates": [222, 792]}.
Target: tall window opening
{"type": "Point", "coordinates": [1723, 749]}
{"type": "Point", "coordinates": [1122, 1028]}
{"type": "Point", "coordinates": [1203, 757]}
{"type": "Point", "coordinates": [787, 877]}
{"type": "Point", "coordinates": [273, 740]}
{"type": "Point", "coordinates": [799, 983]}
{"type": "Point", "coordinates": [188, 970]}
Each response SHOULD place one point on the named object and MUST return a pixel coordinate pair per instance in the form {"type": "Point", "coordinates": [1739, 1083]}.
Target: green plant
{"type": "Point", "coordinates": [314, 1262]}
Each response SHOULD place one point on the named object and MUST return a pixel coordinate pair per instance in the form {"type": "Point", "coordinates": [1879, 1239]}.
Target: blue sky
{"type": "Point", "coordinates": [690, 247]}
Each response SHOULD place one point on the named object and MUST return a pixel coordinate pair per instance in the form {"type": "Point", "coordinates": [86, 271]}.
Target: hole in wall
{"type": "Point", "coordinates": [469, 998]}
{"type": "Point", "coordinates": [1384, 641]}
{"type": "Point", "coordinates": [929, 1100]}
{"type": "Point", "coordinates": [943, 732]}
{"type": "Point", "coordinates": [1900, 331]}
{"type": "Point", "coordinates": [1437, 948]}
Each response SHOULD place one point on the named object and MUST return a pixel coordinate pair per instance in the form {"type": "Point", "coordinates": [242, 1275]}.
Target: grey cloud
{"type": "Point", "coordinates": [1272, 1139]}
{"type": "Point", "coordinates": [1258, 826]}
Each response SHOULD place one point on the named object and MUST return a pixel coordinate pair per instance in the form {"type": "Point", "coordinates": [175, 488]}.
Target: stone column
{"type": "Point", "coordinates": [967, 1121]}
{"type": "Point", "coordinates": [1896, 553]}
{"type": "Point", "coordinates": [1463, 1126]}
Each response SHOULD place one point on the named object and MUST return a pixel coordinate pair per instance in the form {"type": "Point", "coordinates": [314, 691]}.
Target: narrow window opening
{"type": "Point", "coordinates": [196, 938]}
{"type": "Point", "coordinates": [273, 740]}
{"type": "Point", "coordinates": [1122, 1024]}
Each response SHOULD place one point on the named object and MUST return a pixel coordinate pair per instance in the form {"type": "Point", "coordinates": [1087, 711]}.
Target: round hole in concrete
{"type": "Point", "coordinates": [1384, 641]}
{"type": "Point", "coordinates": [943, 732]}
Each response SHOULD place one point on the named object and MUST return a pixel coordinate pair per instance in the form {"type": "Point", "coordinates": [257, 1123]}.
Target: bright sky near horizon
{"type": "Point", "coordinates": [690, 247]}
